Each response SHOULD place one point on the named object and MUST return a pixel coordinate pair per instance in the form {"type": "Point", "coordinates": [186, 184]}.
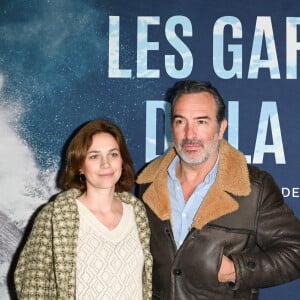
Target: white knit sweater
{"type": "Point", "coordinates": [109, 262]}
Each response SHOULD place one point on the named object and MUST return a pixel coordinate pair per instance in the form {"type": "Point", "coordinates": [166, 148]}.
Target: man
{"type": "Point", "coordinates": [220, 228]}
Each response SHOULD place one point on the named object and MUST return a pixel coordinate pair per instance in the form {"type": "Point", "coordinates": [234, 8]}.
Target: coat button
{"type": "Point", "coordinates": [251, 264]}
{"type": "Point", "coordinates": [177, 272]}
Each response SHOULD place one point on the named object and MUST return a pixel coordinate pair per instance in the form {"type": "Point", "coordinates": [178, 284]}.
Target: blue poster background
{"type": "Point", "coordinates": [64, 62]}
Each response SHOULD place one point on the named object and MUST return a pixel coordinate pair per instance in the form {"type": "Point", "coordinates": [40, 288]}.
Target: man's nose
{"type": "Point", "coordinates": [189, 131]}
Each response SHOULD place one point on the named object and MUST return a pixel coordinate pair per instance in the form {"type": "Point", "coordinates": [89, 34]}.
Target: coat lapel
{"type": "Point", "coordinates": [65, 221]}
{"type": "Point", "coordinates": [232, 178]}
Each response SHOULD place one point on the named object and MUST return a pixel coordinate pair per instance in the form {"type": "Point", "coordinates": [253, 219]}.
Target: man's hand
{"type": "Point", "coordinates": [227, 270]}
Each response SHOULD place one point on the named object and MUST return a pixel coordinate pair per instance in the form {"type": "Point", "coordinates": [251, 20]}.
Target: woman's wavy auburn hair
{"type": "Point", "coordinates": [77, 151]}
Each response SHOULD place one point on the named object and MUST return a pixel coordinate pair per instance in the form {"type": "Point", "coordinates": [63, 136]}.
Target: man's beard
{"type": "Point", "coordinates": [202, 157]}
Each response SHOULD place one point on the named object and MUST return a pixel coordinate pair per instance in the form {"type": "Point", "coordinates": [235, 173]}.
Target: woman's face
{"type": "Point", "coordinates": [102, 166]}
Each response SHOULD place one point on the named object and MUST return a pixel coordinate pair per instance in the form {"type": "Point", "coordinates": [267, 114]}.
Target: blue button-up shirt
{"type": "Point", "coordinates": [183, 213]}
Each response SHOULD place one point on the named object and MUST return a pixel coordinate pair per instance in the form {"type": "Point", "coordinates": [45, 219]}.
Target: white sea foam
{"type": "Point", "coordinates": [1, 81]}
{"type": "Point", "coordinates": [23, 184]}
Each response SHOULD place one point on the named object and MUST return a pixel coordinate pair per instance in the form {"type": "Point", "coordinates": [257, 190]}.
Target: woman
{"type": "Point", "coordinates": [92, 241]}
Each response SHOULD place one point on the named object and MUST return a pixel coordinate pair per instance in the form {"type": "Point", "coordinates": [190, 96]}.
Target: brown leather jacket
{"type": "Point", "coordinates": [243, 216]}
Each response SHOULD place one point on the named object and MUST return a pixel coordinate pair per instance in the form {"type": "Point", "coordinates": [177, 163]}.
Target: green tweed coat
{"type": "Point", "coordinates": [47, 266]}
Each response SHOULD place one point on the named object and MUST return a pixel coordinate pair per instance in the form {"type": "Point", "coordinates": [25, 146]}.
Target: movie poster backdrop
{"type": "Point", "coordinates": [64, 62]}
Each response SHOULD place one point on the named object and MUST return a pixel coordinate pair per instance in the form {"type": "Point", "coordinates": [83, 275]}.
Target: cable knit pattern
{"type": "Point", "coordinates": [109, 262]}
{"type": "Point", "coordinates": [47, 265]}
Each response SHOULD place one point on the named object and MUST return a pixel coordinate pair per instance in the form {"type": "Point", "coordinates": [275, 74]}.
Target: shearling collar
{"type": "Point", "coordinates": [232, 178]}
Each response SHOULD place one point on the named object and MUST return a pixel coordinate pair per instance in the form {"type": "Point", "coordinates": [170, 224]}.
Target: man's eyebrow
{"type": "Point", "coordinates": [202, 117]}
{"type": "Point", "coordinates": [195, 118]}
{"type": "Point", "coordinates": [177, 116]}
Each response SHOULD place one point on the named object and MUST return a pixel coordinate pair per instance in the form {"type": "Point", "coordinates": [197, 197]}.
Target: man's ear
{"type": "Point", "coordinates": [223, 127]}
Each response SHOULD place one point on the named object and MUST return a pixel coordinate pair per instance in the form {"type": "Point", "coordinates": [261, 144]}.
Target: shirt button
{"type": "Point", "coordinates": [183, 215]}
{"type": "Point", "coordinates": [177, 272]}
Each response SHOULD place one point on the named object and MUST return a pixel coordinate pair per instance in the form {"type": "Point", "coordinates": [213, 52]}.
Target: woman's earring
{"type": "Point", "coordinates": [82, 178]}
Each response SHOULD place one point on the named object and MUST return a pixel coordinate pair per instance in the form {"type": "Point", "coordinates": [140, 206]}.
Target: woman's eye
{"type": "Point", "coordinates": [114, 154]}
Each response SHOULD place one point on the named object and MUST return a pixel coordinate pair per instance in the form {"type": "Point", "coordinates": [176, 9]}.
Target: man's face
{"type": "Point", "coordinates": [195, 129]}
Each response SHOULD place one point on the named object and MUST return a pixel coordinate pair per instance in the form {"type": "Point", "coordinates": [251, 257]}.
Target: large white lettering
{"type": "Point", "coordinates": [182, 49]}
{"type": "Point", "coordinates": [269, 116]}
{"type": "Point", "coordinates": [144, 46]}
{"type": "Point", "coordinates": [293, 46]}
{"type": "Point", "coordinates": [235, 49]}
{"type": "Point", "coordinates": [263, 38]}
{"type": "Point", "coordinates": [152, 108]}
{"type": "Point", "coordinates": [114, 70]}
{"type": "Point", "coordinates": [227, 58]}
